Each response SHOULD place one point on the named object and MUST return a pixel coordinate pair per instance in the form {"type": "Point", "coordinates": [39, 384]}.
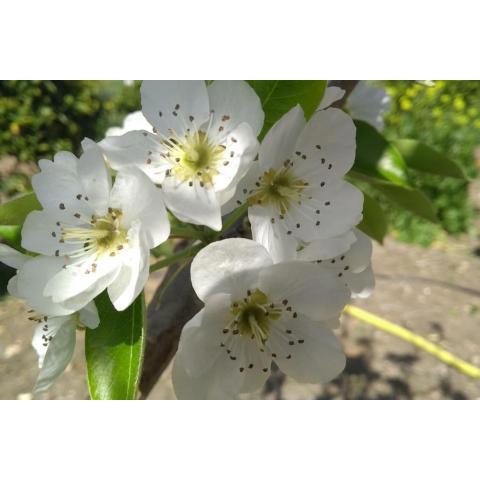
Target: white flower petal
{"type": "Point", "coordinates": [58, 353]}
{"type": "Point", "coordinates": [42, 234]}
{"type": "Point", "coordinates": [280, 246]}
{"type": "Point", "coordinates": [133, 273]}
{"type": "Point", "coordinates": [95, 177]}
{"type": "Point", "coordinates": [327, 248]}
{"type": "Point", "coordinates": [279, 143]}
{"type": "Point", "coordinates": [331, 95]}
{"type": "Point", "coordinates": [139, 149]}
{"type": "Point", "coordinates": [234, 102]}
{"type": "Point", "coordinates": [315, 292]}
{"type": "Point", "coordinates": [362, 284]}
{"type": "Point", "coordinates": [31, 280]}
{"type": "Point", "coordinates": [45, 332]}
{"type": "Point", "coordinates": [318, 359]}
{"type": "Point", "coordinates": [73, 280]}
{"type": "Point", "coordinates": [328, 142]}
{"type": "Point", "coordinates": [139, 200]}
{"type": "Point", "coordinates": [174, 104]}
{"type": "Point", "coordinates": [369, 104]}
{"type": "Point", "coordinates": [329, 212]}
{"type": "Point", "coordinates": [241, 149]}
{"type": "Point", "coordinates": [89, 316]}
{"type": "Point", "coordinates": [192, 203]}
{"type": "Point", "coordinates": [11, 257]}
{"type": "Point", "coordinates": [228, 266]}
{"type": "Point", "coordinates": [216, 384]}
{"type": "Point", "coordinates": [201, 337]}
{"type": "Point", "coordinates": [12, 287]}
{"type": "Point", "coordinates": [59, 189]}
{"type": "Point", "coordinates": [133, 121]}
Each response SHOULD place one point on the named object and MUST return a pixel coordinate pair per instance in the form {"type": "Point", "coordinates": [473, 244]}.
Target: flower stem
{"type": "Point", "coordinates": [187, 232]}
{"type": "Point", "coordinates": [232, 218]}
{"type": "Point", "coordinates": [187, 253]}
{"type": "Point", "coordinates": [410, 337]}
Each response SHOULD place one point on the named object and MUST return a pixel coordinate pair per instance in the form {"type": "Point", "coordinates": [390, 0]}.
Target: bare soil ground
{"type": "Point", "coordinates": [379, 366]}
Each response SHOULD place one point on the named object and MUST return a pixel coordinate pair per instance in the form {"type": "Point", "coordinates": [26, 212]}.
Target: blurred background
{"type": "Point", "coordinates": [428, 275]}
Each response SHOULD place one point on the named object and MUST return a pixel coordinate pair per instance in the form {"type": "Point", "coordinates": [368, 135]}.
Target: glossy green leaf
{"type": "Point", "coordinates": [423, 158]}
{"type": "Point", "coordinates": [11, 234]}
{"type": "Point", "coordinates": [114, 350]}
{"type": "Point", "coordinates": [376, 157]}
{"type": "Point", "coordinates": [15, 211]}
{"type": "Point", "coordinates": [410, 199]}
{"type": "Point", "coordinates": [374, 222]}
{"type": "Point", "coordinates": [280, 96]}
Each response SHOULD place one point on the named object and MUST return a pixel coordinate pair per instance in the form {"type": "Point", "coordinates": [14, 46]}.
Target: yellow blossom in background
{"type": "Point", "coordinates": [437, 112]}
{"type": "Point", "coordinates": [15, 128]}
{"type": "Point", "coordinates": [406, 104]}
{"type": "Point", "coordinates": [445, 98]}
{"type": "Point", "coordinates": [459, 103]}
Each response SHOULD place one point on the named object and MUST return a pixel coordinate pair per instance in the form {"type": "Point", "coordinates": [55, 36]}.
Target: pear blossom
{"type": "Point", "coordinates": [204, 140]}
{"type": "Point", "coordinates": [257, 312]}
{"type": "Point", "coordinates": [365, 102]}
{"type": "Point", "coordinates": [55, 334]}
{"type": "Point", "coordinates": [369, 103]}
{"type": "Point", "coordinates": [295, 189]}
{"type": "Point", "coordinates": [101, 233]}
{"type": "Point", "coordinates": [133, 121]}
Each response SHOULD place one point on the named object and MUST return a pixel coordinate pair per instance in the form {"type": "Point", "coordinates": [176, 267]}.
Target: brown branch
{"type": "Point", "coordinates": [347, 85]}
{"type": "Point", "coordinates": [165, 322]}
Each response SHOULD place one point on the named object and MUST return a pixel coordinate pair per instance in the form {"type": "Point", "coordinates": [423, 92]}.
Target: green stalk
{"type": "Point", "coordinates": [166, 262]}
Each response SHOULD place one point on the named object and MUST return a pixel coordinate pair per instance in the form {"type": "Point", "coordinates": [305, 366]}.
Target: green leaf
{"type": "Point", "coordinates": [423, 158]}
{"type": "Point", "coordinates": [280, 96]}
{"type": "Point", "coordinates": [114, 350]}
{"type": "Point", "coordinates": [376, 157]}
{"type": "Point", "coordinates": [374, 222]}
{"type": "Point", "coordinates": [410, 199]}
{"type": "Point", "coordinates": [11, 234]}
{"type": "Point", "coordinates": [15, 211]}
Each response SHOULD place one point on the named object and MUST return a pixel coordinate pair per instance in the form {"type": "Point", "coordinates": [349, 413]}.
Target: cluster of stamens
{"type": "Point", "coordinates": [196, 157]}
{"type": "Point", "coordinates": [279, 188]}
{"type": "Point", "coordinates": [98, 236]}
{"type": "Point", "coordinates": [254, 320]}
{"type": "Point", "coordinates": [253, 316]}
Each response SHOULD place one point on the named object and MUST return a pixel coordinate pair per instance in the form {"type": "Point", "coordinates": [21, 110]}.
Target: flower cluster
{"type": "Point", "coordinates": [194, 151]}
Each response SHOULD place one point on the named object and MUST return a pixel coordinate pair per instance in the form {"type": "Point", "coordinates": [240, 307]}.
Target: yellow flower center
{"type": "Point", "coordinates": [194, 158]}
{"type": "Point", "coordinates": [279, 188]}
{"type": "Point", "coordinates": [254, 315]}
{"type": "Point", "coordinates": [103, 236]}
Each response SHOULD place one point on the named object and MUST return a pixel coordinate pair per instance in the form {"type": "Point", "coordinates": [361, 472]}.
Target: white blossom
{"type": "Point", "coordinates": [133, 121]}
{"type": "Point", "coordinates": [365, 102]}
{"type": "Point", "coordinates": [203, 142]}
{"type": "Point", "coordinates": [54, 337]}
{"type": "Point", "coordinates": [257, 312]}
{"type": "Point", "coordinates": [102, 234]}
{"type": "Point", "coordinates": [295, 189]}
{"type": "Point", "coordinates": [369, 103]}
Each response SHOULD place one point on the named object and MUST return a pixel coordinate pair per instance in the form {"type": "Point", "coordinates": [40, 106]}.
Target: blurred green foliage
{"type": "Point", "coordinates": [39, 118]}
{"type": "Point", "coordinates": [446, 117]}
